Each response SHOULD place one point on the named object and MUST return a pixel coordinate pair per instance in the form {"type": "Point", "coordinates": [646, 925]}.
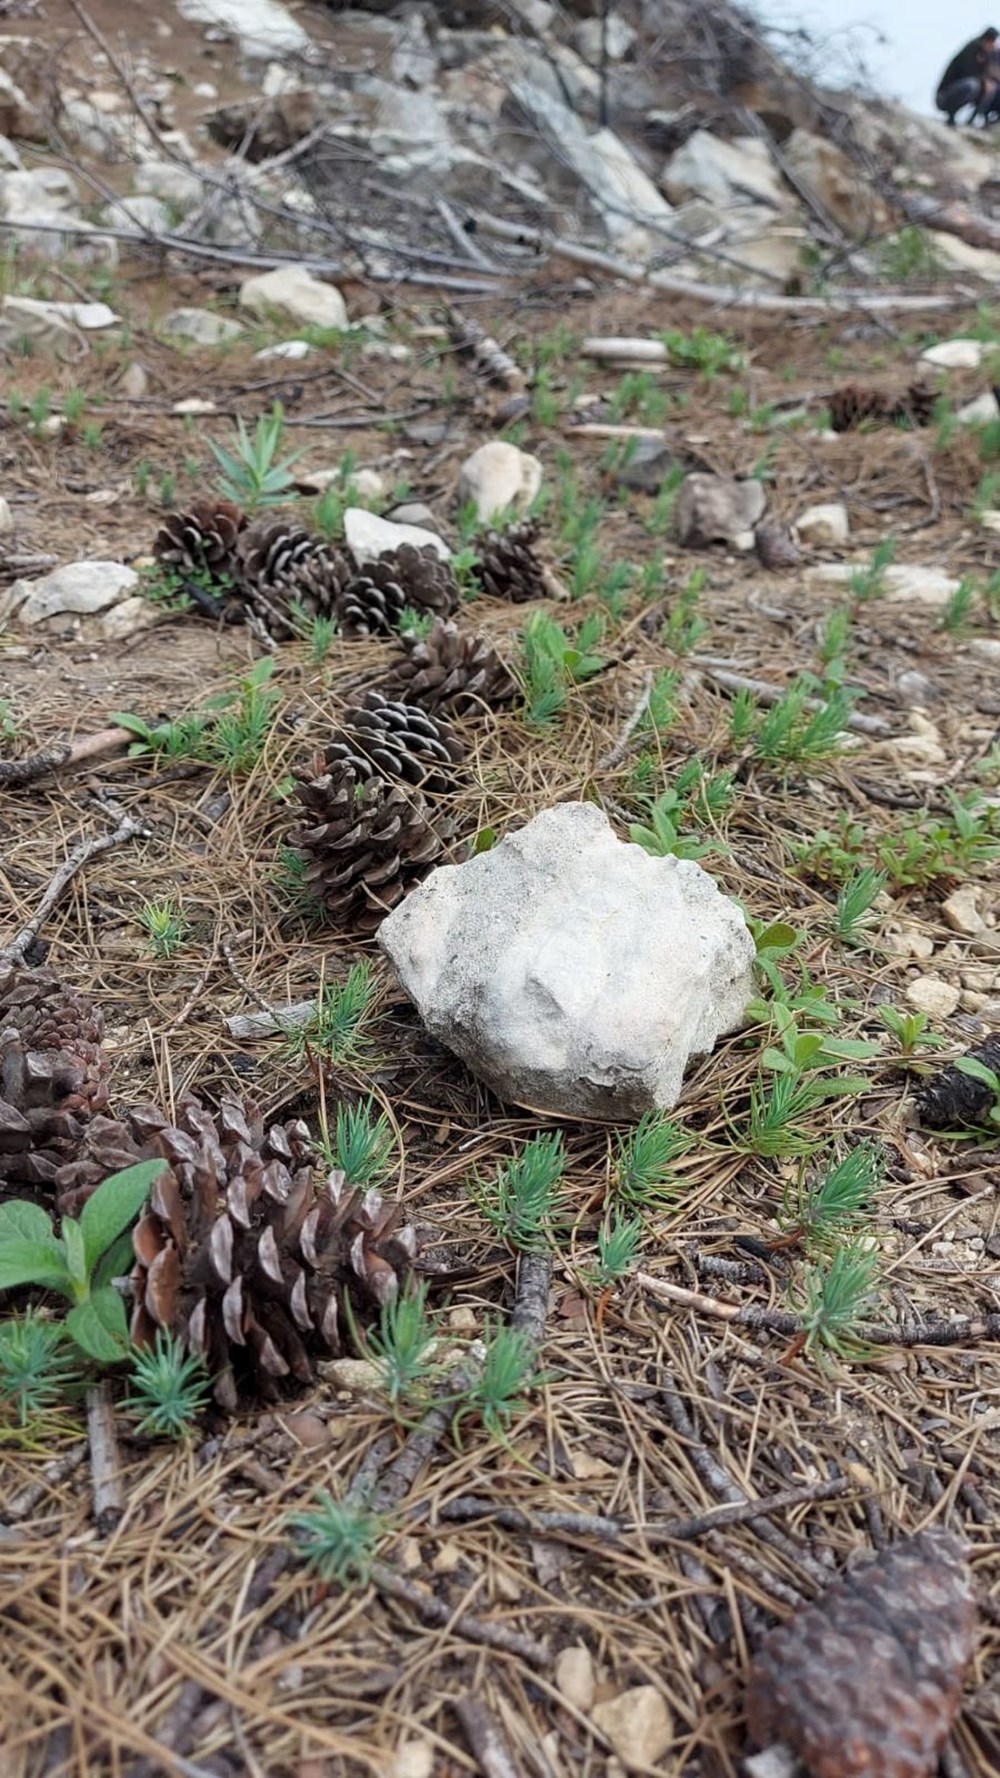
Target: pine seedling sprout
{"type": "Point", "coordinates": [170, 1388]}
{"type": "Point", "coordinates": [855, 899]}
{"type": "Point", "coordinates": [401, 1344]}
{"type": "Point", "coordinates": [362, 1144]}
{"type": "Point", "coordinates": [521, 1199]}
{"type": "Point", "coordinates": [496, 1393]}
{"type": "Point", "coordinates": [339, 1026]}
{"type": "Point", "coordinates": [338, 1539]}
{"type": "Point", "coordinates": [643, 1162]}
{"type": "Point", "coordinates": [37, 1366]}
{"type": "Point", "coordinates": [834, 1206]}
{"type": "Point", "coordinates": [834, 1298]}
{"type": "Point", "coordinates": [617, 1247]}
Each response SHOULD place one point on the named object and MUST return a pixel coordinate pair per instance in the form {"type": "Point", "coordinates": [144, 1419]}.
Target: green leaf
{"type": "Point", "coordinates": [977, 1070]}
{"type": "Point", "coordinates": [22, 1221]}
{"type": "Point", "coordinates": [114, 1205]}
{"type": "Point", "coordinates": [115, 1262]}
{"type": "Point", "coordinates": [777, 937]}
{"type": "Point", "coordinates": [484, 841]}
{"type": "Point", "coordinates": [134, 724]}
{"type": "Point", "coordinates": [76, 1257]}
{"type": "Point", "coordinates": [34, 1262]}
{"type": "Point", "coordinates": [99, 1327]}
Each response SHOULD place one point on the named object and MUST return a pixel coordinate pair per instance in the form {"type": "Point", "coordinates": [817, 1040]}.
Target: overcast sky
{"type": "Point", "coordinates": [922, 36]}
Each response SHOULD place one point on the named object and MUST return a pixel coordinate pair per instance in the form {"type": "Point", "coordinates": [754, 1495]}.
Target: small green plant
{"type": "Point", "coordinates": [182, 739]}
{"type": "Point", "coordinates": [415, 623]}
{"type": "Point", "coordinates": [328, 512]}
{"type": "Point", "coordinates": [39, 411]}
{"type": "Point", "coordinates": [660, 518]}
{"type": "Point", "coordinates": [91, 434]}
{"type": "Point", "coordinates": [617, 1247]}
{"type": "Point", "coordinates": [339, 1027]}
{"type": "Point", "coordinates": [322, 631]}
{"type": "Point", "coordinates": [74, 404]}
{"type": "Point", "coordinates": [910, 1029]}
{"type": "Point", "coordinates": [551, 663]}
{"type": "Point", "coordinates": [793, 733]}
{"type": "Point", "coordinates": [496, 1393]}
{"type": "Point", "coordinates": [170, 1388]}
{"type": "Point", "coordinates": [777, 1124]}
{"type": "Point", "coordinates": [522, 1198]}
{"type": "Point", "coordinates": [868, 583]}
{"type": "Point", "coordinates": [8, 723]}
{"type": "Point", "coordinates": [291, 884]}
{"type": "Point", "coordinates": [254, 475]}
{"type": "Point", "coordinates": [362, 1146]}
{"type": "Point", "coordinates": [833, 645]}
{"type": "Point", "coordinates": [661, 838]}
{"type": "Point", "coordinates": [82, 1260]}
{"type": "Point", "coordinates": [401, 1345]}
{"type": "Point", "coordinates": [167, 490]}
{"type": "Point", "coordinates": [957, 613]}
{"type": "Point", "coordinates": [683, 628]}
{"type": "Point", "coordinates": [797, 1051]}
{"type": "Point", "coordinates": [833, 1299]}
{"type": "Point", "coordinates": [37, 1366]}
{"type": "Point", "coordinates": [243, 721]}
{"type": "Point", "coordinates": [703, 351]}
{"type": "Point", "coordinates": [164, 925]}
{"type": "Point", "coordinates": [744, 712]}
{"type": "Point", "coordinates": [833, 1207]}
{"type": "Point", "coordinates": [545, 403]}
{"type": "Point", "coordinates": [338, 1539]}
{"type": "Point", "coordinates": [644, 1159]}
{"type": "Point", "coordinates": [855, 899]}
{"type": "Point", "coordinates": [987, 495]}
{"type": "Point", "coordinates": [910, 257]}
{"type": "Point", "coordinates": [639, 395]}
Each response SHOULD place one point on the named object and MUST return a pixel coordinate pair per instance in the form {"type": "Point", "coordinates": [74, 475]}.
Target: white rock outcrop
{"type": "Point", "coordinates": [79, 589]}
{"type": "Point", "coordinates": [572, 971]}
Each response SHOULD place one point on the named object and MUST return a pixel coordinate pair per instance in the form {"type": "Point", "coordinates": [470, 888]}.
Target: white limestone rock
{"type": "Point", "coordinates": [932, 995]}
{"type": "Point", "coordinates": [294, 293]}
{"type": "Point", "coordinates": [723, 172]}
{"type": "Point", "coordinates": [366, 536]}
{"type": "Point", "coordinates": [572, 971]}
{"type": "Point", "coordinates": [954, 355]}
{"type": "Point", "coordinates": [638, 1725]}
{"type": "Point", "coordinates": [497, 476]}
{"type": "Point", "coordinates": [79, 590]}
{"type": "Point", "coordinates": [201, 326]}
{"type": "Point", "coordinates": [827, 526]}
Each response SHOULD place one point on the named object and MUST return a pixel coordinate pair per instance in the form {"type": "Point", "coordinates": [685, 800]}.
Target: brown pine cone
{"type": "Point", "coordinates": [201, 538]}
{"type": "Point", "coordinates": [285, 574]}
{"type": "Point", "coordinates": [450, 669]}
{"type": "Point", "coordinates": [509, 565]}
{"type": "Point", "coordinates": [374, 600]}
{"type": "Point", "coordinates": [53, 1073]}
{"type": "Point", "coordinates": [856, 402]}
{"type": "Point", "coordinates": [866, 1682]}
{"type": "Point", "coordinates": [403, 742]}
{"type": "Point", "coordinates": [249, 1254]}
{"type": "Point", "coordinates": [365, 843]}
{"type": "Point", "coordinates": [775, 549]}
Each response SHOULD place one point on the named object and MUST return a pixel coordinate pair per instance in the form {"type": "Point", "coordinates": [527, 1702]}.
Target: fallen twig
{"type": "Point", "coordinates": [433, 1611]}
{"type": "Point", "coordinates": [617, 753]}
{"type": "Point", "coordinates": [105, 1459]}
{"type": "Point", "coordinates": [488, 357]}
{"type": "Point", "coordinates": [966, 1329]}
{"type": "Point", "coordinates": [128, 829]}
{"type": "Point", "coordinates": [531, 1295]}
{"type": "Point", "coordinates": [485, 1737]}
{"type": "Point", "coordinates": [26, 1499]}
{"type": "Point", "coordinates": [773, 694]}
{"type": "Point", "coordinates": [15, 773]}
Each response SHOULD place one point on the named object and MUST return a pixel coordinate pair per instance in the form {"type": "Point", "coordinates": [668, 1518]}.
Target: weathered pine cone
{"type": "Point", "coordinates": [449, 670]}
{"type": "Point", "coordinates": [201, 538]}
{"type": "Point", "coordinates": [53, 1073]}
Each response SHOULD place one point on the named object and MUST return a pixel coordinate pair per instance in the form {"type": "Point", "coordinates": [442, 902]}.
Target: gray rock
{"type": "Point", "coordinates": [624, 194]}
{"type": "Point", "coordinates": [716, 509]}
{"type": "Point", "coordinates": [826, 525]}
{"type": "Point", "coordinates": [590, 41]}
{"type": "Point", "coordinates": [366, 536]}
{"type": "Point", "coordinates": [143, 215]}
{"type": "Point", "coordinates": [48, 189]}
{"type": "Point", "coordinates": [199, 325]}
{"type": "Point", "coordinates": [571, 971]}
{"type": "Point", "coordinates": [826, 171]}
{"type": "Point", "coordinates": [414, 512]}
{"type": "Point", "coordinates": [498, 476]}
{"type": "Point", "coordinates": [723, 172]}
{"type": "Point", "coordinates": [648, 463]}
{"type": "Point", "coordinates": [262, 28]}
{"type": "Point", "coordinates": [980, 410]}
{"type": "Point", "coordinates": [173, 184]}
{"type": "Point", "coordinates": [960, 354]}
{"type": "Point", "coordinates": [294, 293]}
{"type": "Point", "coordinates": [79, 589]}
{"type": "Point", "coordinates": [287, 349]}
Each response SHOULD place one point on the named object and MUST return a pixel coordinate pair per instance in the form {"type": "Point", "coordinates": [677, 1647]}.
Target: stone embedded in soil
{"type": "Point", "coordinates": [985, 648]}
{"type": "Point", "coordinates": [286, 349]}
{"type": "Point", "coordinates": [828, 526]}
{"type": "Point", "coordinates": [367, 535]}
{"type": "Point", "coordinates": [293, 292]}
{"type": "Point", "coordinates": [638, 1725]}
{"type": "Point", "coordinates": [961, 911]}
{"type": "Point", "coordinates": [717, 509]}
{"type": "Point", "coordinates": [572, 971]}
{"type": "Point", "coordinates": [574, 1675]}
{"type": "Point", "coordinates": [79, 589]}
{"type": "Point", "coordinates": [954, 354]}
{"type": "Point", "coordinates": [179, 186]}
{"type": "Point", "coordinates": [980, 410]}
{"type": "Point", "coordinates": [932, 995]}
{"type": "Point", "coordinates": [127, 618]}
{"type": "Point", "coordinates": [262, 28]}
{"type": "Point", "coordinates": [499, 476]}
{"type": "Point", "coordinates": [904, 583]}
{"type": "Point", "coordinates": [201, 326]}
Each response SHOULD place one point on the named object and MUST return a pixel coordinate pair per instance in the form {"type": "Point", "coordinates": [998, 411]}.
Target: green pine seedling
{"type": "Point", "coordinates": [83, 1259]}
{"type": "Point", "coordinates": [291, 884]}
{"type": "Point", "coordinates": [164, 925]}
{"type": "Point", "coordinates": [522, 1198]}
{"type": "Point", "coordinates": [617, 1247]}
{"type": "Point", "coordinates": [792, 733]}
{"type": "Point", "coordinates": [957, 614]}
{"type": "Point", "coordinates": [832, 1208]}
{"type": "Point", "coordinates": [402, 1345]}
{"type": "Point", "coordinates": [551, 664]}
{"type": "Point", "coordinates": [338, 1030]}
{"type": "Point", "coordinates": [338, 1539]}
{"type": "Point", "coordinates": [182, 739]}
{"type": "Point", "coordinates": [867, 583]}
{"type": "Point", "coordinates": [834, 1298]}
{"type": "Point", "coordinates": [644, 1159]}
{"type": "Point", "coordinates": [777, 1124]}
{"type": "Point", "coordinates": [8, 723]}
{"type": "Point", "coordinates": [170, 1388]}
{"type": "Point", "coordinates": [855, 898]}
{"type": "Point", "coordinates": [833, 645]}
{"type": "Point", "coordinates": [244, 720]}
{"type": "Point", "coordinates": [322, 631]}
{"type": "Point", "coordinates": [37, 1366]}
{"type": "Point", "coordinates": [744, 712]}
{"type": "Point", "coordinates": [362, 1145]}
{"type": "Point", "coordinates": [254, 476]}
{"type": "Point", "coordinates": [496, 1393]}
{"type": "Point", "coordinates": [703, 351]}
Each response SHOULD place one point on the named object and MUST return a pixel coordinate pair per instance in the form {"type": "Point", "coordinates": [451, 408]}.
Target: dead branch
{"type": "Point", "coordinates": [434, 1612]}
{"type": "Point", "coordinates": [15, 773]}
{"type": "Point", "coordinates": [488, 357]}
{"type": "Point", "coordinates": [773, 694]}
{"type": "Point", "coordinates": [485, 1737]}
{"type": "Point", "coordinates": [617, 753]}
{"type": "Point", "coordinates": [531, 1296]}
{"type": "Point", "coordinates": [105, 1458]}
{"type": "Point", "coordinates": [127, 829]}
{"type": "Point", "coordinates": [964, 1330]}
{"type": "Point", "coordinates": [27, 1498]}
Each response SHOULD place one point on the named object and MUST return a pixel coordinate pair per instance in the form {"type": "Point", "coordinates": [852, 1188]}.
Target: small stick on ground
{"type": "Point", "coordinates": [105, 1459]}
{"type": "Point", "coordinates": [617, 753]}
{"type": "Point", "coordinates": [960, 1332]}
{"type": "Point", "coordinates": [81, 855]}
{"type": "Point", "coordinates": [26, 1499]}
{"type": "Point", "coordinates": [15, 773]}
{"type": "Point", "coordinates": [485, 1737]}
{"type": "Point", "coordinates": [434, 1612]}
{"type": "Point", "coordinates": [766, 693]}
{"type": "Point", "coordinates": [531, 1301]}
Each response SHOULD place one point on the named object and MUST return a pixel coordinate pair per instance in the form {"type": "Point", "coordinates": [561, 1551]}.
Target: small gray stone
{"type": "Point", "coordinates": [573, 972]}
{"type": "Point", "coordinates": [199, 325]}
{"type": "Point", "coordinates": [716, 509]}
{"type": "Point", "coordinates": [79, 589]}
{"type": "Point", "coordinates": [366, 536]}
{"type": "Point", "coordinates": [646, 468]}
{"type": "Point", "coordinates": [826, 525]}
{"type": "Point", "coordinates": [142, 215]}
{"type": "Point", "coordinates": [286, 349]}
{"type": "Point", "coordinates": [292, 291]}
{"type": "Point", "coordinates": [175, 185]}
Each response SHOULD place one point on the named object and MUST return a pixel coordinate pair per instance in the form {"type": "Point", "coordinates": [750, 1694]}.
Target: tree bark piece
{"type": "Point", "coordinates": [485, 1738]}
{"type": "Point", "coordinates": [15, 773]}
{"type": "Point", "coordinates": [105, 1458]}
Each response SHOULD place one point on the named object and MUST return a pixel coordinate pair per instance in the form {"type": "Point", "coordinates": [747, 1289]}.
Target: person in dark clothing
{"type": "Point", "coordinates": [968, 78]}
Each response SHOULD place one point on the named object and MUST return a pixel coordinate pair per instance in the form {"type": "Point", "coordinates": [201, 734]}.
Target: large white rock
{"type": "Point", "coordinates": [25, 194]}
{"type": "Point", "coordinates": [176, 185]}
{"type": "Point", "coordinates": [572, 971]}
{"type": "Point", "coordinates": [366, 536]}
{"type": "Point", "coordinates": [954, 354]}
{"type": "Point", "coordinates": [498, 476]}
{"type": "Point", "coordinates": [707, 167]}
{"type": "Point", "coordinates": [263, 28]}
{"type": "Point", "coordinates": [78, 590]}
{"type": "Point", "coordinates": [293, 292]}
{"type": "Point", "coordinates": [620, 188]}
{"type": "Point", "coordinates": [903, 583]}
{"type": "Point", "coordinates": [824, 525]}
{"type": "Point", "coordinates": [825, 170]}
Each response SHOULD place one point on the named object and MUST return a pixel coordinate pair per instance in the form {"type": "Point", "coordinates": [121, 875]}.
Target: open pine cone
{"type": "Point", "coordinates": [373, 601]}
{"type": "Point", "coordinates": [247, 1254]}
{"type": "Point", "coordinates": [854, 403]}
{"type": "Point", "coordinates": [281, 565]}
{"type": "Point", "coordinates": [509, 565]}
{"type": "Point", "coordinates": [201, 538]}
{"type": "Point", "coordinates": [53, 1073]}
{"type": "Point", "coordinates": [449, 669]}
{"type": "Point", "coordinates": [403, 742]}
{"type": "Point", "coordinates": [365, 842]}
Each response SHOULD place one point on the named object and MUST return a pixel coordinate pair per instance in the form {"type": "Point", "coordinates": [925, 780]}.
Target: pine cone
{"type": "Point", "coordinates": [509, 566]}
{"type": "Point", "coordinates": [373, 601]}
{"type": "Point", "coordinates": [917, 405]}
{"type": "Point", "coordinates": [950, 1099]}
{"type": "Point", "coordinates": [201, 538]}
{"type": "Point", "coordinates": [281, 565]}
{"type": "Point", "coordinates": [53, 1073]}
{"type": "Point", "coordinates": [855, 402]}
{"type": "Point", "coordinates": [403, 742]}
{"type": "Point", "coordinates": [365, 842]}
{"type": "Point", "coordinates": [450, 669]}
{"type": "Point", "coordinates": [247, 1256]}
{"type": "Point", "coordinates": [868, 1679]}
{"type": "Point", "coordinates": [775, 549]}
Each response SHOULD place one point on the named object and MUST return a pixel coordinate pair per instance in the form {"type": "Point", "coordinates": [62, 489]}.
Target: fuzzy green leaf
{"type": "Point", "coordinates": [22, 1221]}
{"type": "Point", "coordinates": [114, 1205]}
{"type": "Point", "coordinates": [33, 1262]}
{"type": "Point", "coordinates": [99, 1327]}
{"type": "Point", "coordinates": [75, 1252]}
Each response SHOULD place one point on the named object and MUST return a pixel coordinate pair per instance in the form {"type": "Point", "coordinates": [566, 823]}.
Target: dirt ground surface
{"type": "Point", "coordinates": [189, 1640]}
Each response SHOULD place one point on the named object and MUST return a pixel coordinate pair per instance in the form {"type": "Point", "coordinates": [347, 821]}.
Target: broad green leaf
{"type": "Point", "coordinates": [777, 937]}
{"type": "Point", "coordinates": [116, 1262]}
{"type": "Point", "coordinates": [76, 1258]}
{"type": "Point", "coordinates": [21, 1221]}
{"type": "Point", "coordinates": [88, 1325]}
{"type": "Point", "coordinates": [34, 1262]}
{"type": "Point", "coordinates": [849, 1049]}
{"type": "Point", "coordinates": [134, 724]}
{"type": "Point", "coordinates": [776, 1059]}
{"type": "Point", "coordinates": [977, 1070]}
{"type": "Point", "coordinates": [484, 841]}
{"type": "Point", "coordinates": [114, 1205]}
